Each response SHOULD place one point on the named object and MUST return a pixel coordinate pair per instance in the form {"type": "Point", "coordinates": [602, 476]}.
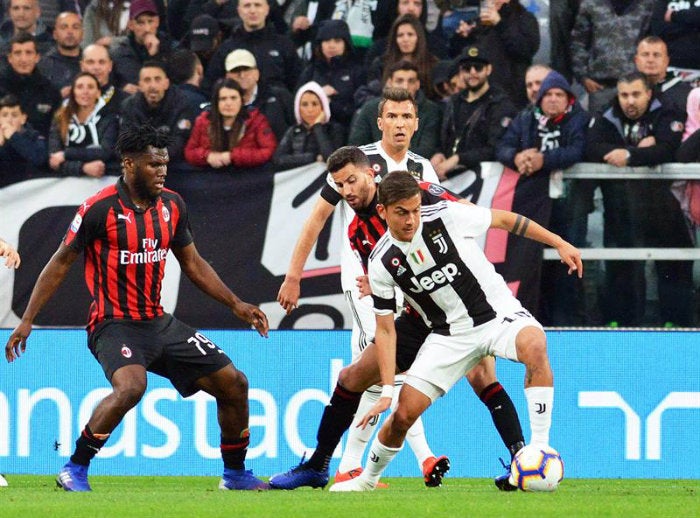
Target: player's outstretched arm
{"type": "Point", "coordinates": [46, 285]}
{"type": "Point", "coordinates": [525, 227]}
{"type": "Point", "coordinates": [385, 342]}
{"type": "Point", "coordinates": [206, 279]}
{"type": "Point", "coordinates": [11, 256]}
{"type": "Point", "coordinates": [288, 295]}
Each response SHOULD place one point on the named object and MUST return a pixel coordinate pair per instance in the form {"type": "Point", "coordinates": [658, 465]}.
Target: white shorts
{"type": "Point", "coordinates": [444, 360]}
{"type": "Point", "coordinates": [364, 322]}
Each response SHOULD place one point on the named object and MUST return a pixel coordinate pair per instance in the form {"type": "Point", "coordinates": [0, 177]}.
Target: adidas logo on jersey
{"type": "Point", "coordinates": [431, 281]}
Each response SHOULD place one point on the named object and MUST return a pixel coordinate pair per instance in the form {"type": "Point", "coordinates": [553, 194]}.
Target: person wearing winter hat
{"type": "Point", "coordinates": [542, 140]}
{"type": "Point", "coordinates": [314, 137]}
{"type": "Point", "coordinates": [333, 67]}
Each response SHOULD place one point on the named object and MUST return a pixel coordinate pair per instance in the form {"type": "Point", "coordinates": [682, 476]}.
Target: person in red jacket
{"type": "Point", "coordinates": [230, 135]}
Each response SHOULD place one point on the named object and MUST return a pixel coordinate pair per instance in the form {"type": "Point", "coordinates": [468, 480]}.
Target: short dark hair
{"type": "Point", "coordinates": [20, 38]}
{"type": "Point", "coordinates": [397, 186]}
{"type": "Point", "coordinates": [134, 140]}
{"type": "Point", "coordinates": [402, 64]}
{"type": "Point", "coordinates": [181, 65]}
{"type": "Point", "coordinates": [10, 101]}
{"type": "Point", "coordinates": [631, 77]}
{"type": "Point", "coordinates": [398, 95]}
{"type": "Point", "coordinates": [652, 40]}
{"type": "Point", "coordinates": [344, 156]}
{"type": "Point", "coordinates": [152, 63]}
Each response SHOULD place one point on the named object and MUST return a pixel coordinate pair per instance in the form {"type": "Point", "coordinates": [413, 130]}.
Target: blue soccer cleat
{"type": "Point", "coordinates": [503, 482]}
{"type": "Point", "coordinates": [242, 480]}
{"type": "Point", "coordinates": [73, 477]}
{"type": "Point", "coordinates": [299, 476]}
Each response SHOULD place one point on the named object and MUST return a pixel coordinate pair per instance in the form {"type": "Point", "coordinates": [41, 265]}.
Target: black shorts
{"type": "Point", "coordinates": [163, 345]}
{"type": "Point", "coordinates": [411, 332]}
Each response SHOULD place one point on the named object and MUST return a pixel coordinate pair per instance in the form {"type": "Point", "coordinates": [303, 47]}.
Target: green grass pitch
{"type": "Point", "coordinates": [193, 497]}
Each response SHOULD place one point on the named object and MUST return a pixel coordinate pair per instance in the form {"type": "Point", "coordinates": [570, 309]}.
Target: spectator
{"type": "Point", "coordinates": [305, 18]}
{"type": "Point", "coordinates": [335, 69]}
{"type": "Point", "coordinates": [315, 136]}
{"type": "Point", "coordinates": [50, 9]}
{"type": "Point", "coordinates": [388, 11]}
{"type": "Point", "coordinates": [406, 40]}
{"type": "Point", "coordinates": [474, 119]}
{"type": "Point", "coordinates": [512, 35]}
{"type": "Point", "coordinates": [545, 138]}
{"type": "Point", "coordinates": [355, 14]}
{"type": "Point", "coordinates": [104, 20]}
{"type": "Point", "coordinates": [186, 71]}
{"type": "Point", "coordinates": [204, 37]}
{"type": "Point", "coordinates": [533, 81]}
{"type": "Point", "coordinates": [230, 136]}
{"type": "Point", "coordinates": [445, 79]}
{"type": "Point", "coordinates": [96, 60]}
{"type": "Point", "coordinates": [678, 24]}
{"type": "Point", "coordinates": [144, 43]}
{"type": "Point", "coordinates": [652, 60]}
{"type": "Point", "coordinates": [274, 53]}
{"type": "Point", "coordinates": [62, 62]}
{"type": "Point", "coordinates": [273, 101]}
{"type": "Point", "coordinates": [603, 43]}
{"type": "Point", "coordinates": [161, 106]}
{"type": "Point", "coordinates": [690, 148]}
{"type": "Point", "coordinates": [426, 139]}
{"type": "Point", "coordinates": [82, 139]}
{"type": "Point", "coordinates": [637, 130]}
{"type": "Point", "coordinates": [24, 18]}
{"type": "Point", "coordinates": [23, 150]}
{"type": "Point", "coordinates": [562, 16]}
{"type": "Point", "coordinates": [38, 97]}
{"type": "Point", "coordinates": [226, 13]}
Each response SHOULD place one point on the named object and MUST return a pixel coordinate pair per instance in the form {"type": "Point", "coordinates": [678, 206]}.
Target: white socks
{"type": "Point", "coordinates": [539, 407]}
{"type": "Point", "coordinates": [377, 460]}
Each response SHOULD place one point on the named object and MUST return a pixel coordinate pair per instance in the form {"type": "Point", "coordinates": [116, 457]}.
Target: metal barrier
{"type": "Point", "coordinates": [595, 171]}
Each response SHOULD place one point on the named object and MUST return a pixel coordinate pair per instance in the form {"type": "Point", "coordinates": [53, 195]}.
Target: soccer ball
{"type": "Point", "coordinates": [537, 468]}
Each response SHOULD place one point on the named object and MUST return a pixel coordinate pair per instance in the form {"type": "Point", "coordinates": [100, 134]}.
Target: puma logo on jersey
{"type": "Point", "coordinates": [127, 217]}
{"type": "Point", "coordinates": [432, 280]}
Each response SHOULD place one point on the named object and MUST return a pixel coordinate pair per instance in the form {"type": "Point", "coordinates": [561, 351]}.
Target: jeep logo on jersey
{"type": "Point", "coordinates": [433, 280]}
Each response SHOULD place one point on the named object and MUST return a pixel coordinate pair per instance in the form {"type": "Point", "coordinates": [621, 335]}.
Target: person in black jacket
{"type": "Point", "coordinates": [637, 130]}
{"type": "Point", "coordinates": [61, 64]}
{"type": "Point", "coordinates": [474, 120]}
{"type": "Point", "coordinates": [334, 68]}
{"type": "Point", "coordinates": [82, 138]}
{"type": "Point", "coordinates": [652, 60]}
{"type": "Point", "coordinates": [678, 24]}
{"type": "Point", "coordinates": [38, 97]}
{"type": "Point", "coordinates": [23, 151]}
{"type": "Point", "coordinates": [96, 60]}
{"type": "Point", "coordinates": [275, 53]}
{"type": "Point", "coordinates": [144, 43]}
{"type": "Point", "coordinates": [512, 35]}
{"type": "Point", "coordinates": [314, 137]}
{"type": "Point", "coordinates": [161, 106]}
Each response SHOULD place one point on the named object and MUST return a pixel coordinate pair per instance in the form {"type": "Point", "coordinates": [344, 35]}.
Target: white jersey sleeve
{"type": "Point", "coordinates": [382, 284]}
{"type": "Point", "coordinates": [471, 220]}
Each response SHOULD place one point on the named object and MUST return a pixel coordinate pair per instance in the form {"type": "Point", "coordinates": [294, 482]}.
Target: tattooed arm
{"type": "Point", "coordinates": [525, 227]}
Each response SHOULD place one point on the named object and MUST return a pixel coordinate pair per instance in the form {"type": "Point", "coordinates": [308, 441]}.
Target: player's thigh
{"type": "Point", "coordinates": [503, 339]}
{"type": "Point", "coordinates": [443, 360]}
{"type": "Point", "coordinates": [188, 355]}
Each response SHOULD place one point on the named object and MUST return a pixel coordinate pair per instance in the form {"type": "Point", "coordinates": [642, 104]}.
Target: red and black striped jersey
{"type": "Point", "coordinates": [125, 249]}
{"type": "Point", "coordinates": [367, 226]}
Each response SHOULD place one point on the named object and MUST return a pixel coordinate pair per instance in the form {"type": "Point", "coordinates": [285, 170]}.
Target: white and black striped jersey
{"type": "Point", "coordinates": [350, 264]}
{"type": "Point", "coordinates": [442, 271]}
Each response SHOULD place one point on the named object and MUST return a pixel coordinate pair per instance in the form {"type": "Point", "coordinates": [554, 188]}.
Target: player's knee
{"type": "Point", "coordinates": [239, 383]}
{"type": "Point", "coordinates": [531, 346]}
{"type": "Point", "coordinates": [480, 377]}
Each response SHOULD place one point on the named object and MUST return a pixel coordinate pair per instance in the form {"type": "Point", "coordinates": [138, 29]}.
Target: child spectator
{"type": "Point", "coordinates": [82, 138]}
{"type": "Point", "coordinates": [230, 134]}
{"type": "Point", "coordinates": [315, 136]}
{"type": "Point", "coordinates": [23, 151]}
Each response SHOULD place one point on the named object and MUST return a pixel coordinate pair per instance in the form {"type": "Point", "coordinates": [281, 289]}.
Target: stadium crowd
{"type": "Point", "coordinates": [250, 85]}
